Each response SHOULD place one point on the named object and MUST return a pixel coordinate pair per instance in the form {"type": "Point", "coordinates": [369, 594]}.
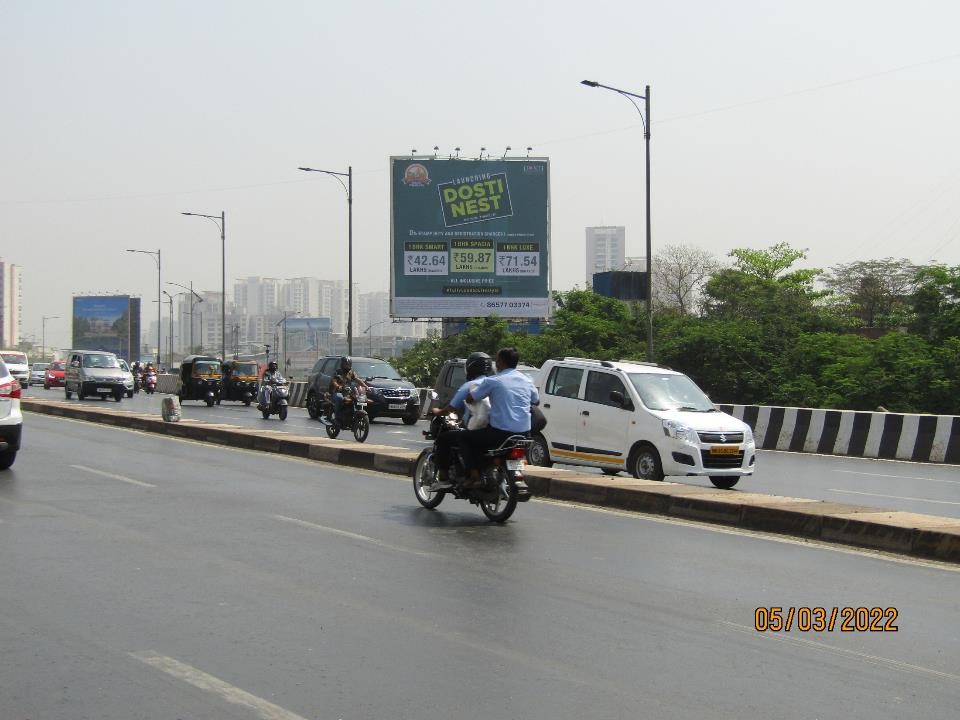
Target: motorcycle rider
{"type": "Point", "coordinates": [511, 394]}
{"type": "Point", "coordinates": [341, 380]}
{"type": "Point", "coordinates": [477, 367]}
{"type": "Point", "coordinates": [271, 376]}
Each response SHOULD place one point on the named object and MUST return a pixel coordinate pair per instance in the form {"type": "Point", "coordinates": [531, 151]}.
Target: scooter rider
{"type": "Point", "coordinates": [477, 367]}
{"type": "Point", "coordinates": [271, 376]}
{"type": "Point", "coordinates": [341, 380]}
{"type": "Point", "coordinates": [511, 394]}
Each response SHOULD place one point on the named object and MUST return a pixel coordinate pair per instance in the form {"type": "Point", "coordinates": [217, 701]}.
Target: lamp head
{"type": "Point", "coordinates": [589, 83]}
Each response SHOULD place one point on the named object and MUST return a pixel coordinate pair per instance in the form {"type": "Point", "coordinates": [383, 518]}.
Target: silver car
{"type": "Point", "coordinates": [127, 377]}
{"type": "Point", "coordinates": [38, 372]}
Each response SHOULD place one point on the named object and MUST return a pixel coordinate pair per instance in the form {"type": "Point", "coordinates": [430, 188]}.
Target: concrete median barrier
{"type": "Point", "coordinates": [925, 536]}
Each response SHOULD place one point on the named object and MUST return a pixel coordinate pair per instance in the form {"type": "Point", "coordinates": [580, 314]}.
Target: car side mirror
{"type": "Point", "coordinates": [617, 397]}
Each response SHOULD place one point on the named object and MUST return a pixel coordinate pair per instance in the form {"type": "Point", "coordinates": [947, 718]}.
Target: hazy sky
{"type": "Point", "coordinates": [834, 126]}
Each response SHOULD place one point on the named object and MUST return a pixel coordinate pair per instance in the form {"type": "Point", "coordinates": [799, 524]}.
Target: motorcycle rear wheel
{"type": "Point", "coordinates": [361, 428]}
{"type": "Point", "coordinates": [425, 474]}
{"type": "Point", "coordinates": [502, 508]}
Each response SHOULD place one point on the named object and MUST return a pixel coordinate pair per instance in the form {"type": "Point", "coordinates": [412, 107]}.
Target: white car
{"type": "Point", "coordinates": [648, 420]}
{"type": "Point", "coordinates": [17, 365]}
{"type": "Point", "coordinates": [11, 420]}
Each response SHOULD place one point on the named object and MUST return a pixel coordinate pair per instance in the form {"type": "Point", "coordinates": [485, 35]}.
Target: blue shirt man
{"type": "Point", "coordinates": [511, 394]}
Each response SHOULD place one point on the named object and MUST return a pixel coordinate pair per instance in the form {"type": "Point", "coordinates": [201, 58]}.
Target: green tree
{"type": "Point", "coordinates": [873, 293]}
{"type": "Point", "coordinates": [936, 303]}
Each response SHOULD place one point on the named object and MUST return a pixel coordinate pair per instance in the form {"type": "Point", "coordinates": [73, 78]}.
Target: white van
{"type": "Point", "coordinates": [638, 417]}
{"type": "Point", "coordinates": [18, 365]}
{"type": "Point", "coordinates": [94, 372]}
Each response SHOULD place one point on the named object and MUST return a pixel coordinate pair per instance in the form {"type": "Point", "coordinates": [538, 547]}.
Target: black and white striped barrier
{"type": "Point", "coordinates": [889, 436]}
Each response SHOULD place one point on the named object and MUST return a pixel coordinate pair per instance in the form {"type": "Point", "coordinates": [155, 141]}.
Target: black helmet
{"type": "Point", "coordinates": [346, 363]}
{"type": "Point", "coordinates": [478, 363]}
{"type": "Point", "coordinates": [272, 366]}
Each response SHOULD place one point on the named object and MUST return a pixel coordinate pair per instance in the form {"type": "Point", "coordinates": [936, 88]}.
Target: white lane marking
{"type": "Point", "coordinates": [876, 659]}
{"type": "Point", "coordinates": [897, 477]}
{"type": "Point", "coordinates": [199, 679]}
{"type": "Point", "coordinates": [894, 497]}
{"type": "Point", "coordinates": [353, 536]}
{"type": "Point", "coordinates": [121, 478]}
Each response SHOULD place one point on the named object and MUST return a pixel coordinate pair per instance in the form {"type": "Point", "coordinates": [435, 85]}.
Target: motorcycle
{"type": "Point", "coordinates": [501, 474]}
{"type": "Point", "coordinates": [352, 416]}
{"type": "Point", "coordinates": [150, 382]}
{"type": "Point", "coordinates": [279, 401]}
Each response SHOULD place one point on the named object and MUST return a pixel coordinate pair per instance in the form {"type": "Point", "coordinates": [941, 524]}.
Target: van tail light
{"type": "Point", "coordinates": [10, 389]}
{"type": "Point", "coordinates": [517, 453]}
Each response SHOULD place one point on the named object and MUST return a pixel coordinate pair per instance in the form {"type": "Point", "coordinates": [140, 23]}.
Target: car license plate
{"type": "Point", "coordinates": [724, 449]}
{"type": "Point", "coordinates": [514, 464]}
{"type": "Point", "coordinates": [397, 406]}
{"type": "Point", "coordinates": [105, 390]}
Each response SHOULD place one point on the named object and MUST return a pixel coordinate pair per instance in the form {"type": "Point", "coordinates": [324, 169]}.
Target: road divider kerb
{"type": "Point", "coordinates": [926, 536]}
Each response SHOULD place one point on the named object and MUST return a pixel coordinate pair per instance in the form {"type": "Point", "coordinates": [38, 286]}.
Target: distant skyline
{"type": "Point", "coordinates": [830, 126]}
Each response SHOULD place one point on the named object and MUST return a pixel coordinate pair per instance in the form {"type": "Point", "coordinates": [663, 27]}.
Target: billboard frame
{"type": "Point", "coordinates": [480, 231]}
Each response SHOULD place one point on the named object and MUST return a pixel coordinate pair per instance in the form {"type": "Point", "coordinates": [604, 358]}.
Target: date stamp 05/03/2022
{"type": "Point", "coordinates": [825, 619]}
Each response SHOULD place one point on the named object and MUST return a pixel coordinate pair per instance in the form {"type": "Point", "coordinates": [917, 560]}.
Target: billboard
{"type": "Point", "coordinates": [107, 322]}
{"type": "Point", "coordinates": [469, 238]}
{"type": "Point", "coordinates": [307, 333]}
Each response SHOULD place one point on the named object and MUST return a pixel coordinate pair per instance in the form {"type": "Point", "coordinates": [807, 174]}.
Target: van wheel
{"type": "Point", "coordinates": [724, 482]}
{"type": "Point", "coordinates": [537, 453]}
{"type": "Point", "coordinates": [645, 463]}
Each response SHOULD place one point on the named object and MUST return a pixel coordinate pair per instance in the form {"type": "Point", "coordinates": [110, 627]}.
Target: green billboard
{"type": "Point", "coordinates": [469, 238]}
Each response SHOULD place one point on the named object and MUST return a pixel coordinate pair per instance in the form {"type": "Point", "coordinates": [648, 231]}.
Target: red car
{"type": "Point", "coordinates": [54, 375]}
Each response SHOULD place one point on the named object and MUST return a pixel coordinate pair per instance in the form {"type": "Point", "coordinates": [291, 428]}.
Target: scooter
{"type": "Point", "coordinates": [501, 472]}
{"type": "Point", "coordinates": [279, 401]}
{"type": "Point", "coordinates": [150, 382]}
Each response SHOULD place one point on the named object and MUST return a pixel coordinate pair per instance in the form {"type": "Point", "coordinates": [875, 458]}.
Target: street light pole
{"type": "Point", "coordinates": [192, 295]}
{"type": "Point", "coordinates": [170, 323]}
{"type": "Point", "coordinates": [222, 224]}
{"type": "Point", "coordinates": [43, 334]}
{"type": "Point", "coordinates": [159, 299]}
{"type": "Point", "coordinates": [645, 117]}
{"type": "Point", "coordinates": [349, 188]}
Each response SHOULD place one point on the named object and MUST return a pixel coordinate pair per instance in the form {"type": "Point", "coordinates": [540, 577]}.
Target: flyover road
{"type": "Point", "coordinates": [911, 487]}
{"type": "Point", "coordinates": [149, 577]}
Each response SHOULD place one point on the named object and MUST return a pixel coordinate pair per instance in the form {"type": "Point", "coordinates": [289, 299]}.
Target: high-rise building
{"type": "Point", "coordinates": [9, 305]}
{"type": "Point", "coordinates": [606, 249]}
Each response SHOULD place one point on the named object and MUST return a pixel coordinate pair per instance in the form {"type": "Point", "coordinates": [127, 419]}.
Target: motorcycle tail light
{"type": "Point", "coordinates": [10, 390]}
{"type": "Point", "coordinates": [517, 453]}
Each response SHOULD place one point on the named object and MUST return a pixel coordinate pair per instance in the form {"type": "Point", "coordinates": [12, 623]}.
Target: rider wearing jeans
{"type": "Point", "coordinates": [511, 394]}
{"type": "Point", "coordinates": [341, 381]}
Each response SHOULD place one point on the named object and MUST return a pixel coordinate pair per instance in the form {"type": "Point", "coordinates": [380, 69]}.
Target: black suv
{"type": "Point", "coordinates": [390, 394]}
{"type": "Point", "coordinates": [453, 374]}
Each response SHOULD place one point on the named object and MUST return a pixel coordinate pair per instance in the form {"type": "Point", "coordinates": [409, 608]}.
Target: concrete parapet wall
{"type": "Point", "coordinates": [888, 436]}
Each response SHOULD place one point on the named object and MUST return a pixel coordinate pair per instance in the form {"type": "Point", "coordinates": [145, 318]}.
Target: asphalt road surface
{"type": "Point", "coordinates": [149, 577]}
{"type": "Point", "coordinates": [913, 487]}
